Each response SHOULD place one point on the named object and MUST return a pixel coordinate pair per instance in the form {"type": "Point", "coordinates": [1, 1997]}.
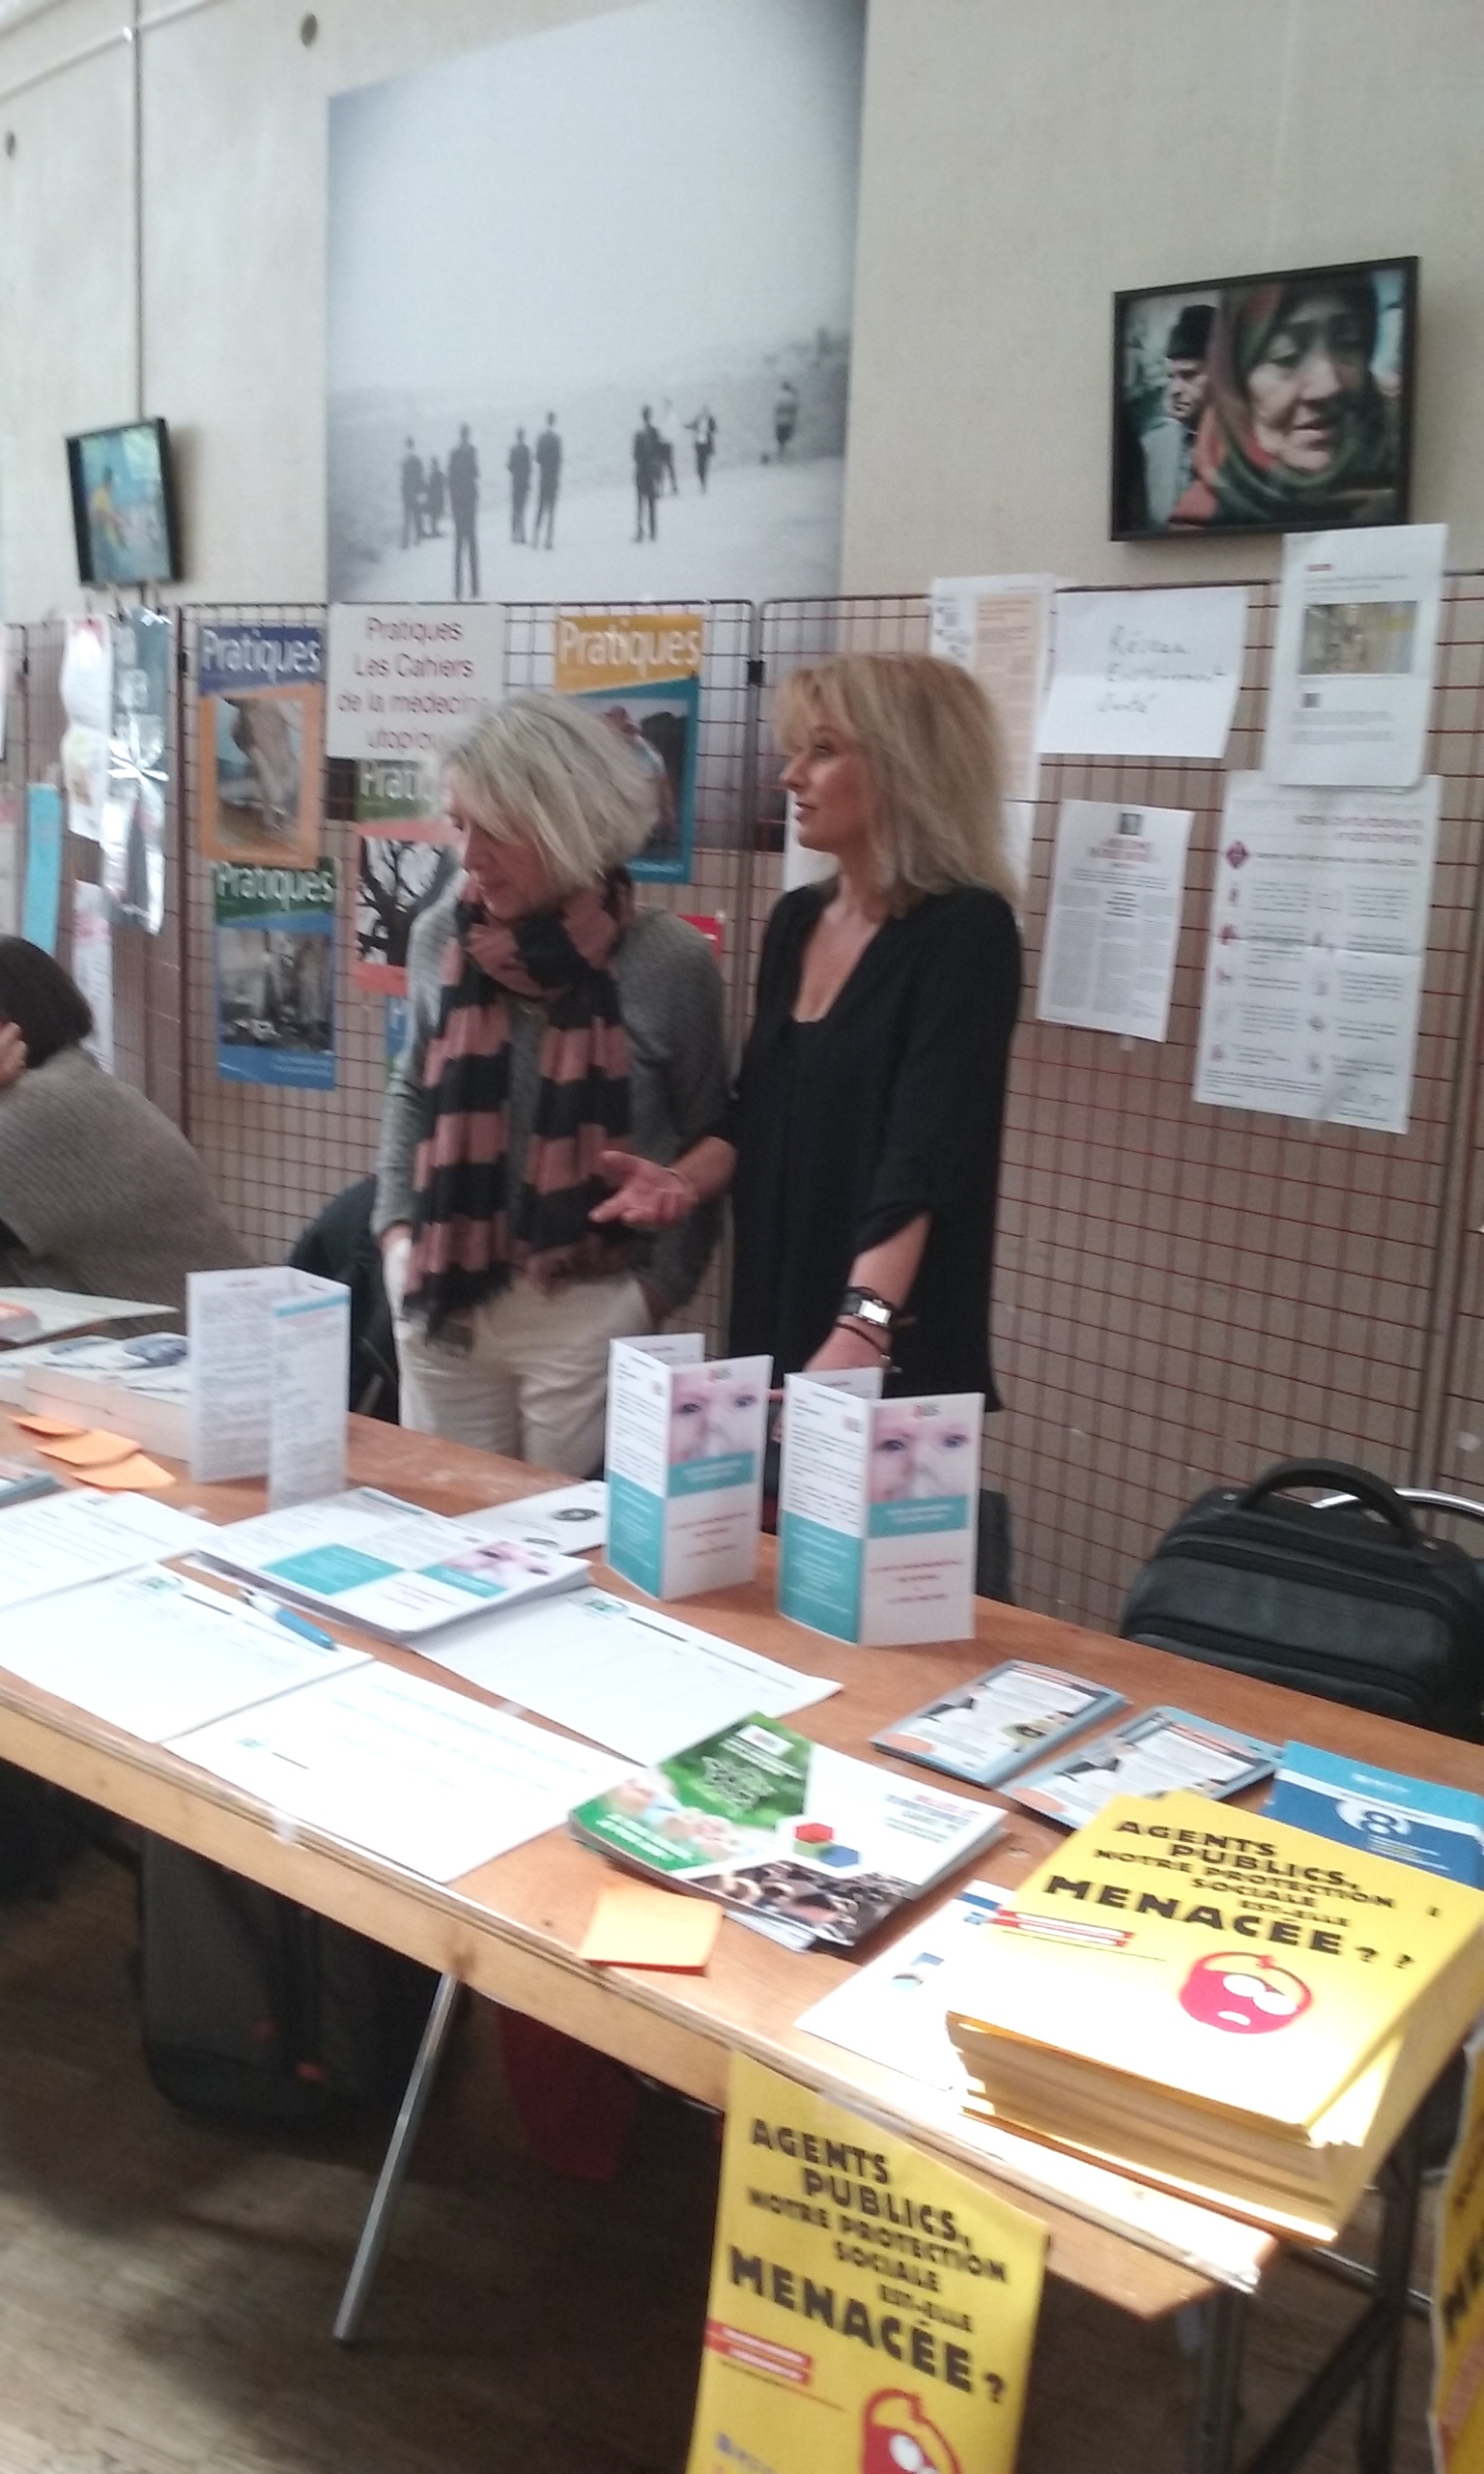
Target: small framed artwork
{"type": "Point", "coordinates": [1265, 403]}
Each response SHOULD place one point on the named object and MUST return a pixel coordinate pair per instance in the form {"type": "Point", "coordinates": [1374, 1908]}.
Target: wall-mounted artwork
{"type": "Point", "coordinates": [1267, 403]}
{"type": "Point", "coordinates": [589, 297]}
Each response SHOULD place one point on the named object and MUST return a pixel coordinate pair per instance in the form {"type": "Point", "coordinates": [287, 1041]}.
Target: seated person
{"type": "Point", "coordinates": [98, 1191]}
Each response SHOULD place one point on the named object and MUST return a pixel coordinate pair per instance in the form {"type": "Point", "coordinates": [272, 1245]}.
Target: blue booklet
{"type": "Point", "coordinates": [1439, 1829]}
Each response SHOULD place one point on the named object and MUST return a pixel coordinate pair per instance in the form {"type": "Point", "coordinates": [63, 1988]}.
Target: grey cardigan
{"type": "Point", "coordinates": [99, 1191]}
{"type": "Point", "coordinates": [669, 994]}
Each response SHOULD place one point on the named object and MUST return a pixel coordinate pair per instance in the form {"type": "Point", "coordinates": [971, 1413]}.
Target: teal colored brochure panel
{"type": "Point", "coordinates": [820, 1575]}
{"type": "Point", "coordinates": [636, 1535]}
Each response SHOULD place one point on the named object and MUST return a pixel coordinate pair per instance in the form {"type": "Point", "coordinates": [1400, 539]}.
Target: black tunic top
{"type": "Point", "coordinates": [848, 1127]}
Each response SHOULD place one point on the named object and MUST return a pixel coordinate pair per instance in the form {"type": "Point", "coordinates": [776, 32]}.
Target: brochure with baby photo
{"type": "Point", "coordinates": [1149, 1754]}
{"type": "Point", "coordinates": [803, 1841]}
{"type": "Point", "coordinates": [986, 1730]}
{"type": "Point", "coordinates": [685, 1444]}
{"type": "Point", "coordinates": [878, 1514]}
{"type": "Point", "coordinates": [387, 1564]}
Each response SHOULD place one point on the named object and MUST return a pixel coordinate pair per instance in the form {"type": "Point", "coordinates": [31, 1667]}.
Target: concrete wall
{"type": "Point", "coordinates": [1023, 159]}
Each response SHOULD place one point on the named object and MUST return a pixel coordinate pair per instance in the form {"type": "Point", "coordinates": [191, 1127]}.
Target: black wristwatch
{"type": "Point", "coordinates": [863, 1306]}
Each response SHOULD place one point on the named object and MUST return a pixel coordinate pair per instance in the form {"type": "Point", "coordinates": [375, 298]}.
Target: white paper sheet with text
{"type": "Point", "coordinates": [408, 1770]}
{"type": "Point", "coordinates": [999, 629]}
{"type": "Point", "coordinates": [55, 1310]}
{"type": "Point", "coordinates": [1145, 674]}
{"type": "Point", "coordinates": [154, 1654]}
{"type": "Point", "coordinates": [63, 1539]}
{"type": "Point", "coordinates": [1318, 946]}
{"type": "Point", "coordinates": [1117, 882]}
{"type": "Point", "coordinates": [624, 1675]}
{"type": "Point", "coordinates": [270, 1366]}
{"type": "Point", "coordinates": [1353, 657]}
{"type": "Point", "coordinates": [569, 1520]}
{"type": "Point", "coordinates": [895, 2011]}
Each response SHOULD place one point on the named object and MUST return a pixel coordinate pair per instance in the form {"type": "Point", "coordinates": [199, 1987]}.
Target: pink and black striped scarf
{"type": "Point", "coordinates": [471, 1233]}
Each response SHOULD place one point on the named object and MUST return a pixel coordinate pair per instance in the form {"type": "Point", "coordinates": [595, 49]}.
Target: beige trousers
{"type": "Point", "coordinates": [530, 1377]}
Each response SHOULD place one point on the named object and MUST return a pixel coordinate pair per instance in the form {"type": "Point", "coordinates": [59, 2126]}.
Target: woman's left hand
{"type": "Point", "coordinates": [13, 1054]}
{"type": "Point", "coordinates": [843, 1347]}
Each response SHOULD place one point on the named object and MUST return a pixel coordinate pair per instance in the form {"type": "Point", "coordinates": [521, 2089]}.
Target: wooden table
{"type": "Point", "coordinates": [511, 1928]}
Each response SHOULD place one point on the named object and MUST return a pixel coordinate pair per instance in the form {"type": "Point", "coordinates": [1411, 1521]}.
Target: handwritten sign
{"type": "Point", "coordinates": [1145, 674]}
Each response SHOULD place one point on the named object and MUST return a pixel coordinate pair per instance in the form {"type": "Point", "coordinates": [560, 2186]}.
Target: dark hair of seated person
{"type": "Point", "coordinates": [47, 1008]}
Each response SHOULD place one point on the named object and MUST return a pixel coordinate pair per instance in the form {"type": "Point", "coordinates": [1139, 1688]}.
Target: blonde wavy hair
{"type": "Point", "coordinates": [928, 738]}
{"type": "Point", "coordinates": [542, 766]}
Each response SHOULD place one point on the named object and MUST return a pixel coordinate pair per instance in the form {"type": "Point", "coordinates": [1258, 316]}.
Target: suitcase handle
{"type": "Point", "coordinates": [1359, 1487]}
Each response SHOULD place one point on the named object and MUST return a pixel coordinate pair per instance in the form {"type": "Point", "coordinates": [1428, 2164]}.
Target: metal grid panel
{"type": "Point", "coordinates": [275, 1157]}
{"type": "Point", "coordinates": [721, 883]}
{"type": "Point", "coordinates": [148, 990]}
{"type": "Point", "coordinates": [1182, 1293]}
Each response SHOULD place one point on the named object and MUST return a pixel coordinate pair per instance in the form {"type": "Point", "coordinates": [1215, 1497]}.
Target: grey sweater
{"type": "Point", "coordinates": [669, 994]}
{"type": "Point", "coordinates": [99, 1191]}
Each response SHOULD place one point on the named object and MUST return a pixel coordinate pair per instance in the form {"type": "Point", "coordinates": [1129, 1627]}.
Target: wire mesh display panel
{"type": "Point", "coordinates": [148, 1004]}
{"type": "Point", "coordinates": [276, 1156]}
{"type": "Point", "coordinates": [719, 885]}
{"type": "Point", "coordinates": [1184, 1294]}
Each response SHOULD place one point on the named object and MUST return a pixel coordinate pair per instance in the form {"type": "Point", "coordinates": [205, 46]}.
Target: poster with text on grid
{"type": "Point", "coordinates": [590, 303]}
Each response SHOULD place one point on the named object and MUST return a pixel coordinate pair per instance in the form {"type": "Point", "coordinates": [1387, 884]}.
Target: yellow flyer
{"type": "Point", "coordinates": [1457, 2411]}
{"type": "Point", "coordinates": [871, 2311]}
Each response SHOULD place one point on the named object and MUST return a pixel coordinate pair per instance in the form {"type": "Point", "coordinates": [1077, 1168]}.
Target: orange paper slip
{"type": "Point", "coordinates": [635, 1926]}
{"type": "Point", "coordinates": [138, 1475]}
{"type": "Point", "coordinates": [45, 1425]}
{"type": "Point", "coordinates": [94, 1450]}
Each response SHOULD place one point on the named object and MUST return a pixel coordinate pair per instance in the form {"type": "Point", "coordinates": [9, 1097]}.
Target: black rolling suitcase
{"type": "Point", "coordinates": [258, 2009]}
{"type": "Point", "coordinates": [1348, 1600]}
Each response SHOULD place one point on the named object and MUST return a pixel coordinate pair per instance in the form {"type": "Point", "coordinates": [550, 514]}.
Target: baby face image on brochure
{"type": "Point", "coordinates": [685, 1440]}
{"type": "Point", "coordinates": [877, 1514]}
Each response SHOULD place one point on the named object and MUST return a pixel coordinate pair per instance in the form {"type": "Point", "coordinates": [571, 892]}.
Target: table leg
{"type": "Point", "coordinates": [1402, 2188]}
{"type": "Point", "coordinates": [395, 2165]}
{"type": "Point", "coordinates": [1213, 2437]}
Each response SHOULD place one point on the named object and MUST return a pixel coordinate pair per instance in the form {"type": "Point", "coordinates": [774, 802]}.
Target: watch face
{"type": "Point", "coordinates": [869, 1310]}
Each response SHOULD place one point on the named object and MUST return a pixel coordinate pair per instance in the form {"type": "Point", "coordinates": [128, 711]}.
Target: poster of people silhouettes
{"type": "Point", "coordinates": [589, 310]}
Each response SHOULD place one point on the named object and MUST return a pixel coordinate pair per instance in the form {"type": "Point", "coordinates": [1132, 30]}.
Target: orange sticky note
{"type": "Point", "coordinates": [45, 1425]}
{"type": "Point", "coordinates": [94, 1450]}
{"type": "Point", "coordinates": [138, 1473]}
{"type": "Point", "coordinates": [635, 1926]}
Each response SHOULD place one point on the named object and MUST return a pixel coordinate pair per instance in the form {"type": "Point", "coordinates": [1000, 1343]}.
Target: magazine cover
{"type": "Point", "coordinates": [261, 742]}
{"type": "Point", "coordinates": [801, 1840]}
{"type": "Point", "coordinates": [275, 975]}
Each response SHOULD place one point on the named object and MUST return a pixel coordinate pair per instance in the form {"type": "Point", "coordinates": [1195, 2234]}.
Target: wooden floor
{"type": "Point", "coordinates": [166, 2290]}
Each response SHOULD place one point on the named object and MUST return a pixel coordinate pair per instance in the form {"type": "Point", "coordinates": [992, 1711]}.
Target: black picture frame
{"type": "Point", "coordinates": [144, 543]}
{"type": "Point", "coordinates": [1222, 456]}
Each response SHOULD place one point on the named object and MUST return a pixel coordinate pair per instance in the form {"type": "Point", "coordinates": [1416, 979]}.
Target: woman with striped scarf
{"type": "Point", "coordinates": [549, 1021]}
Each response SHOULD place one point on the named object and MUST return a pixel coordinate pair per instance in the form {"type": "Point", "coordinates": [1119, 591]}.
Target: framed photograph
{"type": "Point", "coordinates": [124, 505]}
{"type": "Point", "coordinates": [1265, 403]}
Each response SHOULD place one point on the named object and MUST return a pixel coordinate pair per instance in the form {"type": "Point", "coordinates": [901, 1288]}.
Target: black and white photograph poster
{"type": "Point", "coordinates": [589, 310]}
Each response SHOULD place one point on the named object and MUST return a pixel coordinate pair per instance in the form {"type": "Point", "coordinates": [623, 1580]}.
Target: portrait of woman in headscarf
{"type": "Point", "coordinates": [1299, 429]}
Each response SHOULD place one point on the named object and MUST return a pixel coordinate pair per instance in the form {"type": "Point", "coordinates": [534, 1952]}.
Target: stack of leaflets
{"type": "Point", "coordinates": [1149, 1755]}
{"type": "Point", "coordinates": [985, 1730]}
{"type": "Point", "coordinates": [387, 1564]}
{"type": "Point", "coordinates": [140, 1387]}
{"type": "Point", "coordinates": [801, 1842]}
{"type": "Point", "coordinates": [1211, 2001]}
{"type": "Point", "coordinates": [1440, 1829]}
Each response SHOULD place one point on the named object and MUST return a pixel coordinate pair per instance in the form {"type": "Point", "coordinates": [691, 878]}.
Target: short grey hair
{"type": "Point", "coordinates": [546, 766]}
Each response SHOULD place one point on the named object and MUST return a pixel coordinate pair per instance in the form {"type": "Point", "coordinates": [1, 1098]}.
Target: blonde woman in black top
{"type": "Point", "coordinates": [862, 1143]}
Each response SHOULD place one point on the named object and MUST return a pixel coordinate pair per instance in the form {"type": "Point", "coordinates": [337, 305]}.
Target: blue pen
{"type": "Point", "coordinates": [262, 1604]}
